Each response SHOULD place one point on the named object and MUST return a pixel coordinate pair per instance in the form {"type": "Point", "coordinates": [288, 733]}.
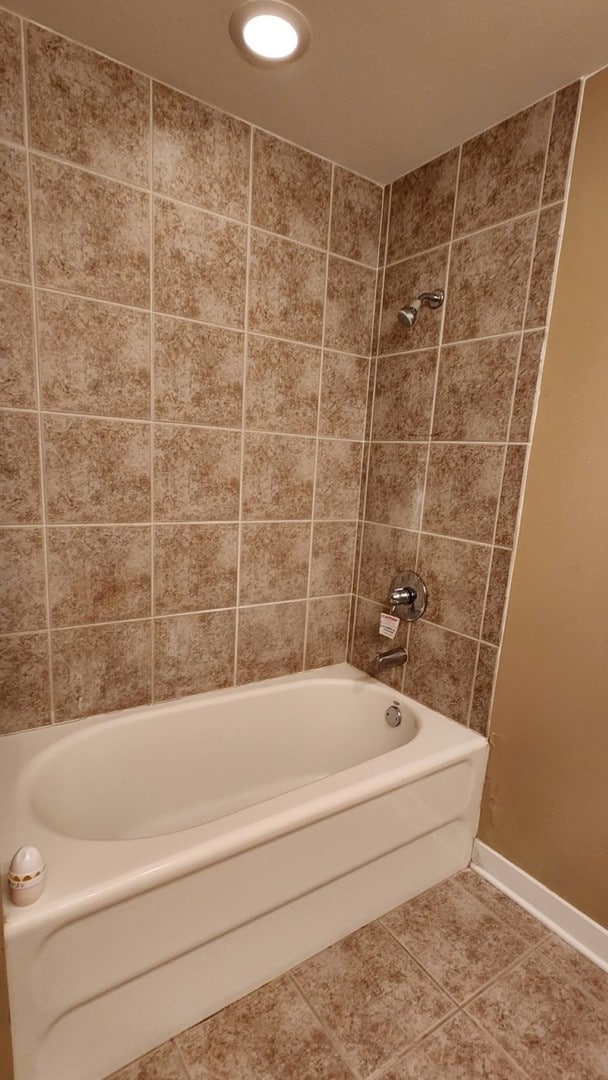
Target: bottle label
{"type": "Point", "coordinates": [389, 624]}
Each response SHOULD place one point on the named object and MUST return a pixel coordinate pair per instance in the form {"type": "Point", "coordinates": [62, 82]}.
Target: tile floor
{"type": "Point", "coordinates": [457, 984]}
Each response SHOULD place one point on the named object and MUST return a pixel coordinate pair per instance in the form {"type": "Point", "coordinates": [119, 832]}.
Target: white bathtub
{"type": "Point", "coordinates": [199, 848]}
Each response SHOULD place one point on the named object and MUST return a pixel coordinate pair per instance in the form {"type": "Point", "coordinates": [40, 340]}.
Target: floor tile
{"type": "Point", "coordinates": [455, 938]}
{"type": "Point", "coordinates": [505, 909]}
{"type": "Point", "coordinates": [577, 968]}
{"type": "Point", "coordinates": [458, 1050]}
{"type": "Point", "coordinates": [269, 1034]}
{"type": "Point", "coordinates": [547, 1024]}
{"type": "Point", "coordinates": [372, 995]}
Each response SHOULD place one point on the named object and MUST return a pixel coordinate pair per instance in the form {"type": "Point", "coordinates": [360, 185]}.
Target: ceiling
{"type": "Point", "coordinates": [385, 86]}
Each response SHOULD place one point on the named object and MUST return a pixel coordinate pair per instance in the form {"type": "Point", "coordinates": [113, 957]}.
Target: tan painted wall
{"type": "Point", "coordinates": [546, 799]}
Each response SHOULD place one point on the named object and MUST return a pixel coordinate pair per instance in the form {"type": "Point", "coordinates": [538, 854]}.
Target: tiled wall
{"type": "Point", "coordinates": [186, 323]}
{"type": "Point", "coordinates": [453, 396]}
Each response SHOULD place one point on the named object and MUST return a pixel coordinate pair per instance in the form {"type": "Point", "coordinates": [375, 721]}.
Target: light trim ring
{"type": "Point", "coordinates": [257, 15]}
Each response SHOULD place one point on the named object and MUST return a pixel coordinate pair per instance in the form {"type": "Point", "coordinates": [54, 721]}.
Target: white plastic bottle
{"type": "Point", "coordinates": [26, 876]}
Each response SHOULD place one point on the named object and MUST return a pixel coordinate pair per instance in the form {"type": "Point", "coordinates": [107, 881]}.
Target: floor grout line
{"type": "Point", "coordinates": [327, 1030]}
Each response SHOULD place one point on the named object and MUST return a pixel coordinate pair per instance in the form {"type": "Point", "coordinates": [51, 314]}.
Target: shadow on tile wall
{"type": "Point", "coordinates": [452, 398]}
{"type": "Point", "coordinates": [183, 300]}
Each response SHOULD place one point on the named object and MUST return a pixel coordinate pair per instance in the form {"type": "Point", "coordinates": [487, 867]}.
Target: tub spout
{"type": "Point", "coordinates": [390, 658]}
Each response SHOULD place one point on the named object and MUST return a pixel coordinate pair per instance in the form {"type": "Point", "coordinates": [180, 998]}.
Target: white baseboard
{"type": "Point", "coordinates": [568, 922]}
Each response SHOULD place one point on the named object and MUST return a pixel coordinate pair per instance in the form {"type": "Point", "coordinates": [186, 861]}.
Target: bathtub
{"type": "Point", "coordinates": [198, 848]}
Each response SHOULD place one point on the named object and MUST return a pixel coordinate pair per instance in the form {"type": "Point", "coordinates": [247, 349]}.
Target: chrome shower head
{"type": "Point", "coordinates": [408, 315]}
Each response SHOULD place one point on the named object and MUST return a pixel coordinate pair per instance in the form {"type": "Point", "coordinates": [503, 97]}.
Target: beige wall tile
{"type": "Point", "coordinates": [497, 589]}
{"type": "Point", "coordinates": [198, 373]}
{"type": "Point", "coordinates": [22, 582]}
{"type": "Point", "coordinates": [99, 574]}
{"type": "Point", "coordinates": [349, 308]}
{"type": "Point", "coordinates": [525, 389]}
{"type": "Point", "coordinates": [24, 682]}
{"type": "Point", "coordinates": [11, 88]}
{"type": "Point", "coordinates": [422, 207]}
{"type": "Point", "coordinates": [92, 234]}
{"type": "Point", "coordinates": [194, 567]}
{"type": "Point", "coordinates": [403, 282]}
{"type": "Point", "coordinates": [286, 289]}
{"type": "Point", "coordinates": [200, 154]}
{"type": "Point", "coordinates": [403, 400]}
{"type": "Point", "coordinates": [270, 641]}
{"type": "Point", "coordinates": [199, 265]}
{"type": "Point", "coordinates": [475, 390]}
{"type": "Point", "coordinates": [343, 395]}
{"type": "Point", "coordinates": [282, 386]}
{"type": "Point", "coordinates": [274, 562]}
{"type": "Point", "coordinates": [101, 668]}
{"type": "Point", "coordinates": [395, 485]}
{"type": "Point", "coordinates": [386, 551]}
{"type": "Point", "coordinates": [278, 472]}
{"type": "Point", "coordinates": [462, 488]}
{"type": "Point", "coordinates": [14, 215]}
{"type": "Point", "coordinates": [501, 170]}
{"type": "Point", "coordinates": [17, 374]}
{"type": "Point", "coordinates": [509, 496]}
{"type": "Point", "coordinates": [562, 130]}
{"type": "Point", "coordinates": [440, 670]}
{"type": "Point", "coordinates": [338, 479]}
{"type": "Point", "coordinates": [542, 268]}
{"type": "Point", "coordinates": [196, 474]}
{"type": "Point", "coordinates": [20, 502]}
{"type": "Point", "coordinates": [97, 471]}
{"type": "Point", "coordinates": [193, 653]}
{"type": "Point", "coordinates": [327, 630]}
{"type": "Point", "coordinates": [488, 281]}
{"type": "Point", "coordinates": [456, 576]}
{"type": "Point", "coordinates": [333, 552]}
{"type": "Point", "coordinates": [87, 108]}
{"type": "Point", "coordinates": [355, 217]}
{"type": "Point", "coordinates": [291, 190]}
{"type": "Point", "coordinates": [94, 358]}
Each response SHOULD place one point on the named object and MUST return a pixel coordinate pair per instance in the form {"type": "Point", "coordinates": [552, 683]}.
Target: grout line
{"type": "Point", "coordinates": [402, 1055]}
{"type": "Point", "coordinates": [168, 523]}
{"type": "Point", "coordinates": [38, 387]}
{"type": "Point", "coordinates": [162, 422]}
{"type": "Point", "coordinates": [159, 194]}
{"type": "Point", "coordinates": [239, 537]}
{"type": "Point", "coordinates": [179, 1053]}
{"type": "Point", "coordinates": [519, 1072]}
{"type": "Point", "coordinates": [328, 1031]}
{"type": "Point", "coordinates": [318, 428]}
{"type": "Point", "coordinates": [371, 401]}
{"type": "Point", "coordinates": [92, 299]}
{"type": "Point", "coordinates": [458, 237]}
{"type": "Point", "coordinates": [170, 615]}
{"type": "Point", "coordinates": [435, 386]}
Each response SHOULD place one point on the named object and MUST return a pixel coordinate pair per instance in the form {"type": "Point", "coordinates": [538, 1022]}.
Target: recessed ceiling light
{"type": "Point", "coordinates": [269, 32]}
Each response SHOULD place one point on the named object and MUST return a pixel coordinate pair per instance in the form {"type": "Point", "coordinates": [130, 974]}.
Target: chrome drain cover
{"type": "Point", "coordinates": [393, 716]}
